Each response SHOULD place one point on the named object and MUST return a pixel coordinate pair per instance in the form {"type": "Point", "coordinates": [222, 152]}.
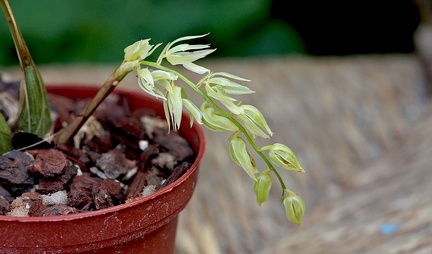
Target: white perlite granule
{"type": "Point", "coordinates": [56, 198]}
{"type": "Point", "coordinates": [143, 144]}
{"type": "Point", "coordinates": [149, 189]}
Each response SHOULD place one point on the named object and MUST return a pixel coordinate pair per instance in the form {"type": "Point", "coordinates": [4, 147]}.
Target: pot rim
{"type": "Point", "coordinates": [196, 128]}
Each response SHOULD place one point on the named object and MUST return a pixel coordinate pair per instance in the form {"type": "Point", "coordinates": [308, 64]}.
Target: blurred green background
{"type": "Point", "coordinates": [98, 31]}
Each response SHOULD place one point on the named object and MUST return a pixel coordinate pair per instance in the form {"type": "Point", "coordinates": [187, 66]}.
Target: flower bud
{"type": "Point", "coordinates": [214, 121]}
{"type": "Point", "coordinates": [294, 207]}
{"type": "Point", "coordinates": [254, 121]}
{"type": "Point", "coordinates": [282, 156]}
{"type": "Point", "coordinates": [262, 187]}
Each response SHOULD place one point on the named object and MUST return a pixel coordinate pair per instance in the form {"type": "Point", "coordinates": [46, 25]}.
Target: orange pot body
{"type": "Point", "coordinates": [147, 225]}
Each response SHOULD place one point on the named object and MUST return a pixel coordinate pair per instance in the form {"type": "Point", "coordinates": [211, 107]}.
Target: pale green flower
{"type": "Point", "coordinates": [220, 85]}
{"type": "Point", "coordinates": [173, 106]}
{"type": "Point", "coordinates": [218, 93]}
{"type": "Point", "coordinates": [254, 121]}
{"type": "Point", "coordinates": [240, 155]}
{"type": "Point", "coordinates": [214, 121]}
{"type": "Point", "coordinates": [225, 81]}
{"type": "Point", "coordinates": [282, 156]}
{"type": "Point", "coordinates": [139, 50]}
{"type": "Point", "coordinates": [262, 186]}
{"type": "Point", "coordinates": [195, 112]}
{"type": "Point", "coordinates": [146, 83]}
{"type": "Point", "coordinates": [185, 54]}
{"type": "Point", "coordinates": [147, 80]}
{"type": "Point", "coordinates": [294, 207]}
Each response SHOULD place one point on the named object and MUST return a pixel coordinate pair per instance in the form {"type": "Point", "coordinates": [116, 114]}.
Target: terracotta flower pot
{"type": "Point", "coordinates": [147, 225]}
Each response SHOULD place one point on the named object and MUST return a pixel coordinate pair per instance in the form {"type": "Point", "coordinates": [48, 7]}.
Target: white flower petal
{"type": "Point", "coordinates": [188, 57]}
{"type": "Point", "coordinates": [187, 38]}
{"type": "Point", "coordinates": [160, 75]}
{"type": "Point", "coordinates": [217, 93]}
{"type": "Point", "coordinates": [177, 106]}
{"type": "Point", "coordinates": [195, 113]}
{"type": "Point", "coordinates": [146, 76]}
{"type": "Point", "coordinates": [230, 87]}
{"type": "Point", "coordinates": [230, 76]}
{"type": "Point", "coordinates": [187, 47]}
{"type": "Point", "coordinates": [196, 68]}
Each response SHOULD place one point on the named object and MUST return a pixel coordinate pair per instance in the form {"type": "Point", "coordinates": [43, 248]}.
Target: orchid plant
{"type": "Point", "coordinates": [219, 110]}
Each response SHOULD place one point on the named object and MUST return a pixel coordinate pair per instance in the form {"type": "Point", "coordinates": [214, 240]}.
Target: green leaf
{"type": "Point", "coordinates": [34, 115]}
{"type": "Point", "coordinates": [5, 136]}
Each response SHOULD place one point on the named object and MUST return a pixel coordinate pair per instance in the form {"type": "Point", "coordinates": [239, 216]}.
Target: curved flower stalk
{"type": "Point", "coordinates": [219, 111]}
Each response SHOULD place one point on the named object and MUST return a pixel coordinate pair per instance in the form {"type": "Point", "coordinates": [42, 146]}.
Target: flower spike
{"type": "Point", "coordinates": [220, 111]}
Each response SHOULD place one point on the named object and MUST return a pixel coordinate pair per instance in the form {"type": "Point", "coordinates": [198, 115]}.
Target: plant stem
{"type": "Point", "coordinates": [66, 134]}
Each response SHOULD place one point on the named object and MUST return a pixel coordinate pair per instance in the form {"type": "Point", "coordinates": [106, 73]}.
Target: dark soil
{"type": "Point", "coordinates": [120, 155]}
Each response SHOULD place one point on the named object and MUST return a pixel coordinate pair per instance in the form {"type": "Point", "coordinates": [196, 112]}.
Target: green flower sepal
{"type": "Point", "coordinates": [283, 157]}
{"type": "Point", "coordinates": [240, 155]}
{"type": "Point", "coordinates": [294, 206]}
{"type": "Point", "coordinates": [262, 186]}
